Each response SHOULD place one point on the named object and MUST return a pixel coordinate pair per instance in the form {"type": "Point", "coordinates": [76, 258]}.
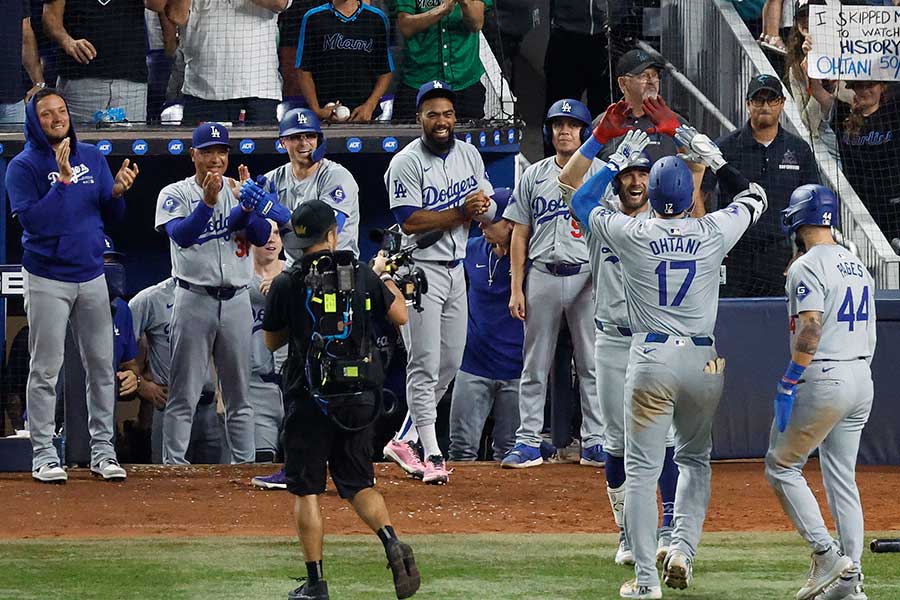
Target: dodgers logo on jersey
{"type": "Point", "coordinates": [338, 195]}
{"type": "Point", "coordinates": [247, 146]}
{"type": "Point", "coordinates": [104, 146]}
{"type": "Point", "coordinates": [80, 174]}
{"type": "Point", "coordinates": [354, 144]}
{"type": "Point", "coordinates": [400, 190]}
{"type": "Point", "coordinates": [544, 210]}
{"type": "Point", "coordinates": [435, 199]}
{"type": "Point", "coordinates": [176, 147]}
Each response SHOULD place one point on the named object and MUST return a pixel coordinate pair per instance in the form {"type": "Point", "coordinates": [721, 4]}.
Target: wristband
{"type": "Point", "coordinates": [591, 148]}
{"type": "Point", "coordinates": [385, 277]}
{"type": "Point", "coordinates": [793, 374]}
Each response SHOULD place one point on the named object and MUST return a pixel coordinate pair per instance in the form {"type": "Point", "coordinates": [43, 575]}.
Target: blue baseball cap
{"type": "Point", "coordinates": [434, 89]}
{"type": "Point", "coordinates": [109, 248]}
{"type": "Point", "coordinates": [210, 134]}
{"type": "Point", "coordinates": [501, 196]}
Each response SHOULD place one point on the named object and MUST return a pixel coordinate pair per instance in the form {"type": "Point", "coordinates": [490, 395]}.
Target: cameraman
{"type": "Point", "coordinates": [314, 439]}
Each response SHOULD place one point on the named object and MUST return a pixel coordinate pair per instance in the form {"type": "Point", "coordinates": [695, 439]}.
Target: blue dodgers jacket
{"type": "Point", "coordinates": [62, 225]}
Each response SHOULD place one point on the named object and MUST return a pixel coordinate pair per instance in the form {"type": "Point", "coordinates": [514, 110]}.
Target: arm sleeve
{"type": "Point", "coordinates": [258, 229]}
{"type": "Point", "coordinates": [238, 218]}
{"type": "Point", "coordinates": [587, 197]}
{"type": "Point", "coordinates": [731, 181]}
{"type": "Point", "coordinates": [185, 231]}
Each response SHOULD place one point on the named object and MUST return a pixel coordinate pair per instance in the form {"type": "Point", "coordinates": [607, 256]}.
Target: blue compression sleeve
{"type": "Point", "coordinates": [258, 230]}
{"type": "Point", "coordinates": [402, 213]}
{"type": "Point", "coordinates": [238, 218]}
{"type": "Point", "coordinates": [587, 197]}
{"type": "Point", "coordinates": [185, 231]}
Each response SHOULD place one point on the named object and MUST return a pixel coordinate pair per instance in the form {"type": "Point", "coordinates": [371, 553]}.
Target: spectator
{"type": "Point", "coordinates": [231, 59]}
{"type": "Point", "coordinates": [576, 60]}
{"type": "Point", "coordinates": [162, 44]}
{"type": "Point", "coordinates": [504, 29]}
{"type": "Point", "coordinates": [288, 37]}
{"type": "Point", "coordinates": [18, 47]}
{"type": "Point", "coordinates": [751, 12]}
{"type": "Point", "coordinates": [102, 67]}
{"type": "Point", "coordinates": [488, 380]}
{"type": "Point", "coordinates": [343, 59]}
{"type": "Point", "coordinates": [780, 162]}
{"type": "Point", "coordinates": [630, 21]}
{"type": "Point", "coordinates": [442, 43]}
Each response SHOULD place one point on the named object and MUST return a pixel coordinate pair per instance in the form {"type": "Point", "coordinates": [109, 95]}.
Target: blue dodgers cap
{"type": "Point", "coordinates": [109, 248]}
{"type": "Point", "coordinates": [210, 134]}
{"type": "Point", "coordinates": [501, 196]}
{"type": "Point", "coordinates": [434, 89]}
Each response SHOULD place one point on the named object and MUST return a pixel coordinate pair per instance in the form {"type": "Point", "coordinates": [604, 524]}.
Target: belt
{"type": "Point", "coordinates": [450, 264]}
{"type": "Point", "coordinates": [840, 359]}
{"type": "Point", "coordinates": [612, 329]}
{"type": "Point", "coordinates": [207, 397]}
{"type": "Point", "coordinates": [271, 378]}
{"type": "Point", "coordinates": [662, 338]}
{"type": "Point", "coordinates": [560, 269]}
{"type": "Point", "coordinates": [219, 293]}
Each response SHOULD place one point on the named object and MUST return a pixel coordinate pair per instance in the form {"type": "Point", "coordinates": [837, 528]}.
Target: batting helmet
{"type": "Point", "coordinates": [642, 164]}
{"type": "Point", "coordinates": [567, 107]}
{"type": "Point", "coordinates": [303, 120]}
{"type": "Point", "coordinates": [671, 186]}
{"type": "Point", "coordinates": [811, 205]}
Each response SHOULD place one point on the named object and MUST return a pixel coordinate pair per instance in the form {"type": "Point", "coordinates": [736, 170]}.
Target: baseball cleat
{"type": "Point", "coordinates": [310, 591]}
{"type": "Point", "coordinates": [631, 589]}
{"type": "Point", "coordinates": [436, 471]}
{"type": "Point", "coordinates": [50, 473]}
{"type": "Point", "coordinates": [566, 454]}
{"type": "Point", "coordinates": [522, 456]}
{"type": "Point", "coordinates": [403, 566]}
{"type": "Point", "coordinates": [109, 470]}
{"type": "Point", "coordinates": [824, 569]}
{"type": "Point", "coordinates": [663, 541]}
{"type": "Point", "coordinates": [848, 587]}
{"type": "Point", "coordinates": [593, 456]}
{"type": "Point", "coordinates": [405, 455]}
{"type": "Point", "coordinates": [275, 481]}
{"type": "Point", "coordinates": [679, 570]}
{"type": "Point", "coordinates": [624, 556]}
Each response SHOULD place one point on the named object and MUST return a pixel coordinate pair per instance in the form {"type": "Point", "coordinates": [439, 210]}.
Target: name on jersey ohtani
{"type": "Point", "coordinates": [435, 199]}
{"type": "Point", "coordinates": [674, 244]}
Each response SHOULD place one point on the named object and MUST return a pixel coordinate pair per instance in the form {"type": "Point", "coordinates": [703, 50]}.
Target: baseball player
{"type": "Point", "coordinates": [628, 195]}
{"type": "Point", "coordinates": [671, 276]}
{"type": "Point", "coordinates": [825, 395]}
{"type": "Point", "coordinates": [434, 183]}
{"type": "Point", "coordinates": [209, 231]}
{"type": "Point", "coordinates": [558, 284]}
{"type": "Point", "coordinates": [310, 175]}
{"type": "Point", "coordinates": [265, 378]}
{"type": "Point", "coordinates": [151, 309]}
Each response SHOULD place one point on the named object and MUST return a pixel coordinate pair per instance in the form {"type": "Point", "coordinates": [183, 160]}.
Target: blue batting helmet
{"type": "Point", "coordinates": [567, 107]}
{"type": "Point", "coordinates": [671, 186]}
{"type": "Point", "coordinates": [811, 205]}
{"type": "Point", "coordinates": [303, 120]}
{"type": "Point", "coordinates": [644, 163]}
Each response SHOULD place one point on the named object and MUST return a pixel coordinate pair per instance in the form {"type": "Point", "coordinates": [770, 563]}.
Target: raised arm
{"type": "Point", "coordinates": [411, 24]}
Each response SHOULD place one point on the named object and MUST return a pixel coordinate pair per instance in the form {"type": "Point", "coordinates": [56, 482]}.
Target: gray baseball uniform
{"type": "Point", "coordinates": [332, 184]}
{"type": "Point", "coordinates": [671, 281]}
{"type": "Point", "coordinates": [203, 325]}
{"type": "Point", "coordinates": [833, 399]}
{"type": "Point", "coordinates": [151, 309]}
{"type": "Point", "coordinates": [558, 283]}
{"type": "Point", "coordinates": [265, 390]}
{"type": "Point", "coordinates": [435, 338]}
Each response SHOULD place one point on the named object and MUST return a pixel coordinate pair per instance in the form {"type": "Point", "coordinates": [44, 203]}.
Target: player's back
{"type": "Point", "coordinates": [830, 279]}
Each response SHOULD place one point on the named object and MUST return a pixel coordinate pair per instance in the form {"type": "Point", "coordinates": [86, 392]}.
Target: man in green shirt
{"type": "Point", "coordinates": [441, 44]}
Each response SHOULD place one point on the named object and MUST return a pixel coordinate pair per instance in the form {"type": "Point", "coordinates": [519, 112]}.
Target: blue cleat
{"type": "Point", "coordinates": [593, 456]}
{"type": "Point", "coordinates": [522, 456]}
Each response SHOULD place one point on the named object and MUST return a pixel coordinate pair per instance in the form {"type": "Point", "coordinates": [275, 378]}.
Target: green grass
{"type": "Point", "coordinates": [729, 565]}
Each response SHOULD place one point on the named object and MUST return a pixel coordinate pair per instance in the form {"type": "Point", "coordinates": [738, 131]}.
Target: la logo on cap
{"type": "Point", "coordinates": [566, 107]}
{"type": "Point", "coordinates": [214, 132]}
{"type": "Point", "coordinates": [436, 84]}
{"type": "Point", "coordinates": [302, 119]}
{"type": "Point", "coordinates": [108, 245]}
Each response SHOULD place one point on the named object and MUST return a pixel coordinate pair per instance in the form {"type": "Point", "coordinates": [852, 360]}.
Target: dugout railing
{"type": "Point", "coordinates": [707, 42]}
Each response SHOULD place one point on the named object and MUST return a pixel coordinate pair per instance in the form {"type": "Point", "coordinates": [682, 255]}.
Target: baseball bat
{"type": "Point", "coordinates": [885, 545]}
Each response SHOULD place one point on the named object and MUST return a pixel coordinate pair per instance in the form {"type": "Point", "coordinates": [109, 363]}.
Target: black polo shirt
{"type": "Point", "coordinates": [116, 29]}
{"type": "Point", "coordinates": [11, 88]}
{"type": "Point", "coordinates": [660, 145]}
{"type": "Point", "coordinates": [344, 54]}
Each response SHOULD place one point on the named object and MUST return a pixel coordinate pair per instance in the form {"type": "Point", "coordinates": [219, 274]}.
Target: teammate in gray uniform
{"type": "Point", "coordinates": [210, 232]}
{"type": "Point", "coordinates": [435, 182]}
{"type": "Point", "coordinates": [265, 366]}
{"type": "Point", "coordinates": [151, 309]}
{"type": "Point", "coordinates": [671, 278]}
{"type": "Point", "coordinates": [825, 395]}
{"type": "Point", "coordinates": [310, 175]}
{"type": "Point", "coordinates": [558, 284]}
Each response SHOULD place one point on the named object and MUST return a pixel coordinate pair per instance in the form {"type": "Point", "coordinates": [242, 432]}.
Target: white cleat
{"type": "Point", "coordinates": [631, 589]}
{"type": "Point", "coordinates": [109, 469]}
{"type": "Point", "coordinates": [824, 570]}
{"type": "Point", "coordinates": [50, 473]}
{"type": "Point", "coordinates": [679, 570]}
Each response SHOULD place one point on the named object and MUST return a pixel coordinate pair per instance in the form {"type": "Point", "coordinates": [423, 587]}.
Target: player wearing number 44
{"type": "Point", "coordinates": [209, 229]}
{"type": "Point", "coordinates": [670, 270]}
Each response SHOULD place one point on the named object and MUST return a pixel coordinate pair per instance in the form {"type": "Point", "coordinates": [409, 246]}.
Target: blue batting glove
{"type": "Point", "coordinates": [251, 195]}
{"type": "Point", "coordinates": [261, 181]}
{"type": "Point", "coordinates": [268, 207]}
{"type": "Point", "coordinates": [784, 402]}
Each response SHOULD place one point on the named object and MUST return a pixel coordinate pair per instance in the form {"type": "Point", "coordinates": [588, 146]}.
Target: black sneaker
{"type": "Point", "coordinates": [403, 565]}
{"type": "Point", "coordinates": [310, 591]}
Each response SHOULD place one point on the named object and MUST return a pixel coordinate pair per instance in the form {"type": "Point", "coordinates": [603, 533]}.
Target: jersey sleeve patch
{"type": "Point", "coordinates": [170, 205]}
{"type": "Point", "coordinates": [338, 195]}
{"type": "Point", "coordinates": [802, 291]}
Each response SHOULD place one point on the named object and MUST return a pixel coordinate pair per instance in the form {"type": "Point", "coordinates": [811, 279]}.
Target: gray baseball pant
{"type": "Point", "coordinates": [473, 400]}
{"type": "Point", "coordinates": [50, 305]}
{"type": "Point", "coordinates": [547, 299]}
{"type": "Point", "coordinates": [204, 326]}
{"type": "Point", "coordinates": [830, 410]}
{"type": "Point", "coordinates": [207, 436]}
{"type": "Point", "coordinates": [268, 413]}
{"type": "Point", "coordinates": [665, 385]}
{"type": "Point", "coordinates": [86, 96]}
{"type": "Point", "coordinates": [435, 339]}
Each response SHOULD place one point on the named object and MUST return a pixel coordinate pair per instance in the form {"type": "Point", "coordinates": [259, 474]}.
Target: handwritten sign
{"type": "Point", "coordinates": [854, 43]}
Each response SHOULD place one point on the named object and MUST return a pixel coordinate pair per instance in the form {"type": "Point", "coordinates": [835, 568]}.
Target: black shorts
{"type": "Point", "coordinates": [313, 442]}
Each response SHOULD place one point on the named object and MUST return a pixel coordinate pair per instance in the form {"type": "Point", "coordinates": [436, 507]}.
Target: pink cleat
{"type": "Point", "coordinates": [436, 471]}
{"type": "Point", "coordinates": [405, 455]}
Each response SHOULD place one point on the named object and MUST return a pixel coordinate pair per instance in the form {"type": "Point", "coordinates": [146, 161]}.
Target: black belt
{"type": "Point", "coordinates": [219, 293]}
{"type": "Point", "coordinates": [662, 338]}
{"type": "Point", "coordinates": [207, 397]}
{"type": "Point", "coordinates": [609, 329]}
{"type": "Point", "coordinates": [560, 269]}
{"type": "Point", "coordinates": [271, 378]}
{"type": "Point", "coordinates": [450, 264]}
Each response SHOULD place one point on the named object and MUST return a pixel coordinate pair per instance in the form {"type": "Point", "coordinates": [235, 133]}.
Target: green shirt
{"type": "Point", "coordinates": [448, 50]}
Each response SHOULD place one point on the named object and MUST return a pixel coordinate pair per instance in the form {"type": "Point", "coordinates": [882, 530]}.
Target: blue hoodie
{"type": "Point", "coordinates": [62, 235]}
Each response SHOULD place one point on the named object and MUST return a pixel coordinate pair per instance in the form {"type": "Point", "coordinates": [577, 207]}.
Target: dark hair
{"type": "Point", "coordinates": [43, 93]}
{"type": "Point", "coordinates": [324, 237]}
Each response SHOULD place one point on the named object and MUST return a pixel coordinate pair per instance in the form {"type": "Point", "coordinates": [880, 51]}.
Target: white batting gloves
{"type": "Point", "coordinates": [699, 147]}
{"type": "Point", "coordinates": [629, 150]}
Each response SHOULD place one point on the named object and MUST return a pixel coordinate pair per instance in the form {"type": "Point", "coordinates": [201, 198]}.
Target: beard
{"type": "Point", "coordinates": [439, 146]}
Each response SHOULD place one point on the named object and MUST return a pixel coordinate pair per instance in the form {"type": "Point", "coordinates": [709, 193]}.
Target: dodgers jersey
{"type": "Point", "coordinates": [219, 257]}
{"type": "Point", "coordinates": [418, 178]}
{"type": "Point", "coordinates": [556, 237]}
{"type": "Point", "coordinates": [831, 280]}
{"type": "Point", "coordinates": [332, 184]}
{"type": "Point", "coordinates": [671, 266]}
{"type": "Point", "coordinates": [262, 362]}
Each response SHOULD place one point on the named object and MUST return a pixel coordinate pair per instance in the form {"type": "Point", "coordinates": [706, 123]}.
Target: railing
{"type": "Point", "coordinates": [707, 41]}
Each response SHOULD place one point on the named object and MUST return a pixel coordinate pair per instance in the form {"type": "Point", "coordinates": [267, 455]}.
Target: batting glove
{"type": "Point", "coordinates": [629, 150]}
{"type": "Point", "coordinates": [612, 123]}
{"type": "Point", "coordinates": [699, 148]}
{"type": "Point", "coordinates": [269, 207]}
{"type": "Point", "coordinates": [662, 116]}
{"type": "Point", "coordinates": [251, 195]}
{"type": "Point", "coordinates": [784, 402]}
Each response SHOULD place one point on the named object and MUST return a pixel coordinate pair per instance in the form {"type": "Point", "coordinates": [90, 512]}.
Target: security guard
{"type": "Point", "coordinates": [325, 308]}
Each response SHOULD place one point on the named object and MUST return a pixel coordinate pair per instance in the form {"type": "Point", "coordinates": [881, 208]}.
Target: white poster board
{"type": "Point", "coordinates": [854, 43]}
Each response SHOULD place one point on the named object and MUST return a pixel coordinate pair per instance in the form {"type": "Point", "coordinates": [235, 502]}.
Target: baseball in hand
{"type": "Point", "coordinates": [341, 113]}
